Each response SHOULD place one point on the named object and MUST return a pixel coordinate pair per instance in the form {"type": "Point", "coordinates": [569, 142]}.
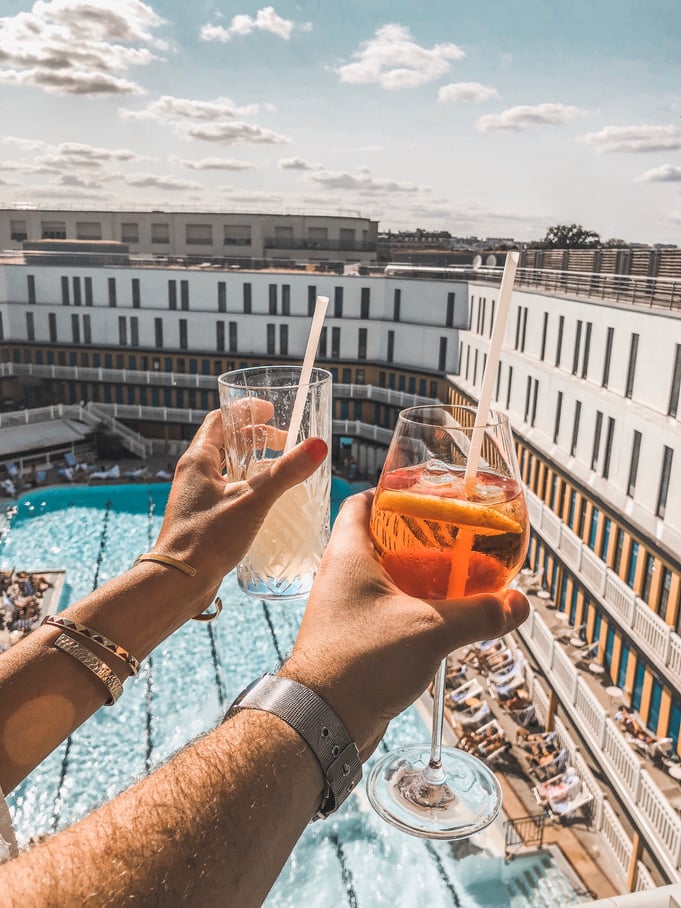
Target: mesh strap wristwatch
{"type": "Point", "coordinates": [318, 725]}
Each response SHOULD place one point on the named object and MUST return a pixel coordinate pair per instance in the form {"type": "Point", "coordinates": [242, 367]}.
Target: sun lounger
{"type": "Point", "coordinates": [113, 473]}
{"type": "Point", "coordinates": [545, 771]}
{"type": "Point", "coordinates": [468, 690]}
{"type": "Point", "coordinates": [474, 716]}
{"type": "Point", "coordinates": [502, 676]}
{"type": "Point", "coordinates": [141, 473]}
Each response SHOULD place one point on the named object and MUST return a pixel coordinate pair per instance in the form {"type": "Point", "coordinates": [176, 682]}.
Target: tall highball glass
{"type": "Point", "coordinates": [443, 532]}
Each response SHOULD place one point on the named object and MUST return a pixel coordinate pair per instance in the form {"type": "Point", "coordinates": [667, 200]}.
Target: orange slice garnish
{"type": "Point", "coordinates": [485, 521]}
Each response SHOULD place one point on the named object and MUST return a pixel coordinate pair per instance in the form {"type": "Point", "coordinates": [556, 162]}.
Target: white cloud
{"type": "Point", "coordinates": [209, 121]}
{"type": "Point", "coordinates": [153, 180]}
{"type": "Point", "coordinates": [213, 164]}
{"type": "Point", "coordinates": [466, 92]}
{"type": "Point", "coordinates": [78, 46]}
{"type": "Point", "coordinates": [524, 116]}
{"type": "Point", "coordinates": [637, 139]}
{"type": "Point", "coordinates": [393, 60]}
{"type": "Point", "coordinates": [675, 216]}
{"type": "Point", "coordinates": [296, 164]}
{"type": "Point", "coordinates": [25, 144]}
{"type": "Point", "coordinates": [250, 198]}
{"type": "Point", "coordinates": [362, 182]}
{"type": "Point", "coordinates": [664, 174]}
{"type": "Point", "coordinates": [266, 20]}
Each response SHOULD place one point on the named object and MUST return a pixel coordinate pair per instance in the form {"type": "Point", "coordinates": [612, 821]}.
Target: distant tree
{"type": "Point", "coordinates": [616, 243]}
{"type": "Point", "coordinates": [564, 236]}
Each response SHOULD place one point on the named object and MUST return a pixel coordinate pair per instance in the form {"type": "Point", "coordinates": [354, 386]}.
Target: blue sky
{"type": "Point", "coordinates": [495, 118]}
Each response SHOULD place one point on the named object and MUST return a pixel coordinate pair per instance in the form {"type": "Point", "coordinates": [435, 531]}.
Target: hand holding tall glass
{"type": "Point", "coordinates": [444, 531]}
{"type": "Point", "coordinates": [258, 407]}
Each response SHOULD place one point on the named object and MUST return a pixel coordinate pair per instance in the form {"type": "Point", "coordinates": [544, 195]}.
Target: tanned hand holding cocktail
{"type": "Point", "coordinates": [448, 521]}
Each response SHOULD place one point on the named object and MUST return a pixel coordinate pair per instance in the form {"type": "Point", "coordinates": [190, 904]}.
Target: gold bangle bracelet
{"type": "Point", "coordinates": [168, 561]}
{"type": "Point", "coordinates": [92, 663]}
{"type": "Point", "coordinates": [81, 630]}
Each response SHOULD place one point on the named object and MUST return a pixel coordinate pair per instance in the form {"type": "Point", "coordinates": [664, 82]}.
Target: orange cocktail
{"type": "Point", "coordinates": [439, 536]}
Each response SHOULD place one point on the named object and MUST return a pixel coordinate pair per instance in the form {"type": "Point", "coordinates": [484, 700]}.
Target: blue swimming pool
{"type": "Point", "coordinates": [354, 859]}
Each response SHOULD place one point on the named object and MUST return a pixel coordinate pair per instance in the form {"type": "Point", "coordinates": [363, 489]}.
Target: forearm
{"type": "Point", "coordinates": [212, 827]}
{"type": "Point", "coordinates": [45, 694]}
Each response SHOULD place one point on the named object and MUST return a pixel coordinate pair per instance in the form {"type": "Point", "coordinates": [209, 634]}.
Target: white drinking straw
{"type": "Point", "coordinates": [306, 372]}
{"type": "Point", "coordinates": [482, 413]}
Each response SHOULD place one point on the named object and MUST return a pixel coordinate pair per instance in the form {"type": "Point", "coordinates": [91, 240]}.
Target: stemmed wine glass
{"type": "Point", "coordinates": [449, 520]}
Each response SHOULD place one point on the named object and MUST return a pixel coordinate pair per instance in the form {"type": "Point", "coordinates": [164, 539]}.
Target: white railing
{"type": "Point", "coordinates": [658, 823]}
{"type": "Point", "coordinates": [650, 634]}
{"type": "Point", "coordinates": [615, 837]}
{"type": "Point", "coordinates": [644, 880]}
{"type": "Point", "coordinates": [551, 525]}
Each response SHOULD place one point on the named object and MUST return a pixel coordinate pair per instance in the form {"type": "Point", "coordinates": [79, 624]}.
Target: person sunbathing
{"type": "Point", "coordinates": [634, 728]}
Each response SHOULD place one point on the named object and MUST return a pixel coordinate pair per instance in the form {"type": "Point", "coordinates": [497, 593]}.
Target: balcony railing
{"type": "Point", "coordinates": [656, 819]}
{"type": "Point", "coordinates": [656, 640]}
{"type": "Point", "coordinates": [283, 242]}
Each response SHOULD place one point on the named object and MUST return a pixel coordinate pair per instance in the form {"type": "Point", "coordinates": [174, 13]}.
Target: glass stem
{"type": "Point", "coordinates": [434, 772]}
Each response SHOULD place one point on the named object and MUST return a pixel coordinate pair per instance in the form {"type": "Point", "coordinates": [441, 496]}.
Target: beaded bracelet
{"type": "Point", "coordinates": [186, 569]}
{"type": "Point", "coordinates": [81, 630]}
{"type": "Point", "coordinates": [95, 665]}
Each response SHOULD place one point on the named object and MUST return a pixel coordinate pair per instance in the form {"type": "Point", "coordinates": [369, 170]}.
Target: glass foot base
{"type": "Point", "coordinates": [467, 801]}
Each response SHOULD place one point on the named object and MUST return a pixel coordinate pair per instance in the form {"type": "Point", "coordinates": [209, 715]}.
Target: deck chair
{"type": "Point", "coordinates": [474, 716]}
{"type": "Point", "coordinates": [468, 690]}
{"type": "Point", "coordinates": [12, 469]}
{"type": "Point", "coordinates": [554, 767]}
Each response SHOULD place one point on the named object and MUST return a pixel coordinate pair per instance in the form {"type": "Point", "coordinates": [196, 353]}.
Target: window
{"type": "Point", "coordinates": [524, 331]}
{"type": "Point", "coordinates": [158, 333]}
{"type": "Point", "coordinates": [619, 548]}
{"type": "Point", "coordinates": [136, 302]}
{"type": "Point", "coordinates": [508, 386]}
{"type": "Point", "coordinates": [322, 342]}
{"type": "Point", "coordinates": [587, 349]}
{"type": "Point", "coordinates": [335, 343]}
{"type": "Point", "coordinates": [311, 298]}
{"type": "Point", "coordinates": [665, 589]}
{"type": "Point", "coordinates": [578, 343]}
{"type": "Point", "coordinates": [30, 280]}
{"type": "Point", "coordinates": [391, 347]}
{"type": "Point", "coordinates": [18, 231]}
{"type": "Point", "coordinates": [184, 295]}
{"type": "Point", "coordinates": [605, 539]}
{"type": "Point", "coordinates": [172, 294]}
{"type": "Point", "coordinates": [130, 233]}
{"type": "Point", "coordinates": [30, 327]}
{"type": "Point", "coordinates": [528, 391]}
{"type": "Point", "coordinates": [285, 299]}
{"type": "Point", "coordinates": [220, 337]}
{"type": "Point", "coordinates": [52, 327]}
{"type": "Point", "coordinates": [608, 357]}
{"type": "Point", "coordinates": [449, 321]}
{"type": "Point", "coordinates": [648, 571]}
{"type": "Point", "coordinates": [112, 292]}
{"type": "Point", "coordinates": [134, 331]}
{"type": "Point", "coordinates": [237, 235]}
{"type": "Point", "coordinates": [673, 407]}
{"type": "Point", "coordinates": [247, 298]}
{"type": "Point", "coordinates": [633, 463]}
{"type": "Point", "coordinates": [88, 291]}
{"type": "Point", "coordinates": [475, 366]}
{"type": "Point", "coordinates": [518, 323]}
{"type": "Point", "coordinates": [575, 428]}
{"type": "Point", "coordinates": [559, 340]}
{"type": "Point", "coordinates": [631, 370]}
{"type": "Point", "coordinates": [346, 376]}
{"type": "Point", "coordinates": [664, 481]}
{"type": "Point", "coordinates": [365, 302]}
{"type": "Point", "coordinates": [271, 339]}
{"type": "Point", "coordinates": [122, 331]}
{"type": "Point", "coordinates": [442, 354]}
{"type": "Point", "coordinates": [347, 238]}
{"type": "Point", "coordinates": [397, 304]}
{"type": "Point", "coordinates": [283, 340]}
{"type": "Point", "coordinates": [499, 368]}
{"type": "Point", "coordinates": [199, 235]}
{"type": "Point", "coordinates": [272, 299]}
{"type": "Point", "coordinates": [593, 531]}
{"type": "Point", "coordinates": [544, 331]}
{"type": "Point", "coordinates": [468, 359]}
{"type": "Point", "coordinates": [232, 337]}
{"type": "Point", "coordinates": [183, 334]}
{"type": "Point", "coordinates": [597, 440]}
{"type": "Point", "coordinates": [65, 292]}
{"type": "Point", "coordinates": [338, 302]}
{"type": "Point", "coordinates": [535, 395]}
{"type": "Point", "coordinates": [222, 296]}
{"type": "Point", "coordinates": [88, 230]}
{"type": "Point", "coordinates": [556, 424]}
{"type": "Point", "coordinates": [362, 344]}
{"type": "Point", "coordinates": [160, 233]}
{"type": "Point", "coordinates": [609, 435]}
{"type": "Point", "coordinates": [53, 230]}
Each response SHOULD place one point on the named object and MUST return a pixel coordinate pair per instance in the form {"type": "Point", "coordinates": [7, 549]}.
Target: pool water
{"type": "Point", "coordinates": [353, 859]}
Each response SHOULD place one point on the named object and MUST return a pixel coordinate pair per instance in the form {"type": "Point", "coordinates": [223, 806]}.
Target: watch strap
{"type": "Point", "coordinates": [319, 726]}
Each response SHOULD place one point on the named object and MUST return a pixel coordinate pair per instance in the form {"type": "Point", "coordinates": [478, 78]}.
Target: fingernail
{"type": "Point", "coordinates": [520, 608]}
{"type": "Point", "coordinates": [316, 449]}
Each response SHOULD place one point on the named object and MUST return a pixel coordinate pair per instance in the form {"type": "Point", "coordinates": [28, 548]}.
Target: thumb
{"type": "Point", "coordinates": [482, 617]}
{"type": "Point", "coordinates": [290, 469]}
